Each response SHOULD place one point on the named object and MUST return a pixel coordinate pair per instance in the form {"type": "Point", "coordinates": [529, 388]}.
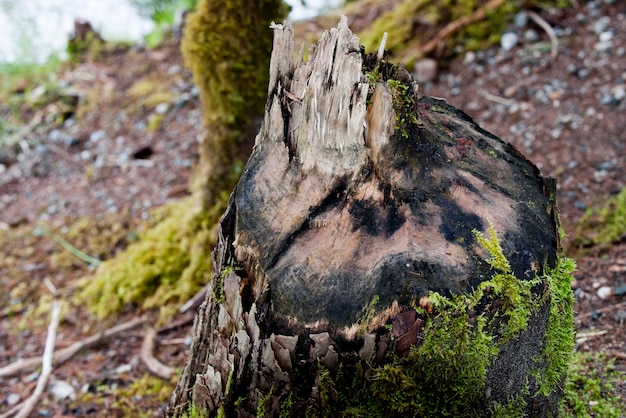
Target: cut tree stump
{"type": "Point", "coordinates": [358, 271]}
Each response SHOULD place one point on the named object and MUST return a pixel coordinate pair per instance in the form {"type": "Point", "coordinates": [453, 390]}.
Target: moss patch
{"type": "Point", "coordinates": [411, 24]}
{"type": "Point", "coordinates": [605, 225]}
{"type": "Point", "coordinates": [168, 263]}
{"type": "Point", "coordinates": [590, 390]}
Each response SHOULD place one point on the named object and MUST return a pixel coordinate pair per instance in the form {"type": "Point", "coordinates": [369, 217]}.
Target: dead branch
{"type": "Point", "coordinates": [46, 369]}
{"type": "Point", "coordinates": [186, 320]}
{"type": "Point", "coordinates": [195, 301]}
{"type": "Point", "coordinates": [602, 310]}
{"type": "Point", "coordinates": [455, 26]}
{"type": "Point", "coordinates": [63, 355]}
{"type": "Point", "coordinates": [148, 358]}
{"type": "Point", "coordinates": [540, 21]}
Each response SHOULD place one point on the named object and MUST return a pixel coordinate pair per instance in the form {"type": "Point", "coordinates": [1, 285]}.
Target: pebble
{"type": "Point", "coordinates": [12, 399]}
{"type": "Point", "coordinates": [97, 136]}
{"type": "Point", "coordinates": [60, 389]}
{"type": "Point", "coordinates": [620, 315]}
{"type": "Point", "coordinates": [618, 92]}
{"type": "Point", "coordinates": [124, 368]}
{"type": "Point", "coordinates": [601, 24]}
{"type": "Point", "coordinates": [531, 35]}
{"type": "Point", "coordinates": [620, 290]}
{"type": "Point", "coordinates": [603, 46]}
{"type": "Point", "coordinates": [162, 108]}
{"type": "Point", "coordinates": [425, 70]}
{"type": "Point", "coordinates": [520, 19]}
{"type": "Point", "coordinates": [604, 292]}
{"type": "Point", "coordinates": [508, 40]}
{"type": "Point", "coordinates": [599, 176]}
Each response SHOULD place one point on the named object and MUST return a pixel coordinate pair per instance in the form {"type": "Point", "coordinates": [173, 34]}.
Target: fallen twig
{"type": "Point", "coordinates": [452, 27]}
{"type": "Point", "coordinates": [46, 369]}
{"type": "Point", "coordinates": [540, 21]}
{"type": "Point", "coordinates": [186, 320]}
{"type": "Point", "coordinates": [62, 356]}
{"type": "Point", "coordinates": [195, 301]}
{"type": "Point", "coordinates": [602, 310]}
{"type": "Point", "coordinates": [498, 99]}
{"type": "Point", "coordinates": [151, 362]}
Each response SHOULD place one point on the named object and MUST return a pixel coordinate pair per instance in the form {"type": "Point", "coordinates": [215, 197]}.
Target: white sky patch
{"type": "Point", "coordinates": [32, 30]}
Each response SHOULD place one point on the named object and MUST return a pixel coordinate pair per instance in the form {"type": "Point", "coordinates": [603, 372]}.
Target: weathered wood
{"type": "Point", "coordinates": [358, 202]}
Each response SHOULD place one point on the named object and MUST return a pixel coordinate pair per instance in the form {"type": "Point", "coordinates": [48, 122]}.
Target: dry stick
{"type": "Point", "coordinates": [548, 29]}
{"type": "Point", "coordinates": [46, 369]}
{"type": "Point", "coordinates": [63, 355]}
{"type": "Point", "coordinates": [186, 320]}
{"type": "Point", "coordinates": [458, 24]}
{"type": "Point", "coordinates": [605, 309]}
{"type": "Point", "coordinates": [151, 362]}
{"type": "Point", "coordinates": [195, 302]}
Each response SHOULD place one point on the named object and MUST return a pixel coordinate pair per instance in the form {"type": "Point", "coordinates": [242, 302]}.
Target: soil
{"type": "Point", "coordinates": [95, 144]}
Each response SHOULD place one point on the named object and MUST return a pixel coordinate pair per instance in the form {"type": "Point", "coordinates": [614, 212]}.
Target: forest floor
{"type": "Point", "coordinates": [99, 144]}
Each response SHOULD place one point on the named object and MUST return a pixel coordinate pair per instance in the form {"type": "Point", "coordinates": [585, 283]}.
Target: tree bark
{"type": "Point", "coordinates": [353, 273]}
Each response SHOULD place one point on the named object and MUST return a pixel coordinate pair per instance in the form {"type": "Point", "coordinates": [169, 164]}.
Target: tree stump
{"type": "Point", "coordinates": [359, 271]}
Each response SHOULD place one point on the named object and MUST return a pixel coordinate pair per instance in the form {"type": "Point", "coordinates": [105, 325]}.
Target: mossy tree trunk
{"type": "Point", "coordinates": [358, 271]}
{"type": "Point", "coordinates": [226, 44]}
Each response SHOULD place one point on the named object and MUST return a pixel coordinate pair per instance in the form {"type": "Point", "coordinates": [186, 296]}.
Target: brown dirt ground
{"type": "Point", "coordinates": [122, 148]}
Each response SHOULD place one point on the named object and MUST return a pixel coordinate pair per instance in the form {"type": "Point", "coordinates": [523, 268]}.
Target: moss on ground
{"type": "Point", "coordinates": [590, 390]}
{"type": "Point", "coordinates": [167, 265]}
{"type": "Point", "coordinates": [603, 226]}
{"type": "Point", "coordinates": [411, 24]}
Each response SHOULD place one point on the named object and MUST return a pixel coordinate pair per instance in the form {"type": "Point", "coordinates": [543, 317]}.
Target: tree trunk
{"type": "Point", "coordinates": [358, 271]}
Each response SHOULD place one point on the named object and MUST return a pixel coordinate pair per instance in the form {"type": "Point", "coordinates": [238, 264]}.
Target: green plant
{"type": "Point", "coordinates": [589, 390]}
{"type": "Point", "coordinates": [605, 225]}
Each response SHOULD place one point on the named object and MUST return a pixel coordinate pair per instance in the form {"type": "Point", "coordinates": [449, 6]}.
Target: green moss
{"type": "Point", "coordinates": [168, 264]}
{"type": "Point", "coordinates": [227, 45]}
{"type": "Point", "coordinates": [261, 411]}
{"type": "Point", "coordinates": [445, 373]}
{"type": "Point", "coordinates": [559, 337]}
{"type": "Point", "coordinates": [605, 225]}
{"type": "Point", "coordinates": [193, 412]}
{"type": "Point", "coordinates": [590, 391]}
{"type": "Point", "coordinates": [411, 24]}
{"type": "Point", "coordinates": [515, 407]}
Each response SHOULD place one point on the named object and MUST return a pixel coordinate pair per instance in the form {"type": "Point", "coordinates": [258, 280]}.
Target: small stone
{"type": "Point", "coordinates": [162, 108]}
{"type": "Point", "coordinates": [620, 315]}
{"type": "Point", "coordinates": [124, 368]}
{"type": "Point", "coordinates": [603, 46]}
{"type": "Point", "coordinates": [601, 24]}
{"type": "Point", "coordinates": [508, 40]}
{"type": "Point", "coordinates": [531, 35]}
{"type": "Point", "coordinates": [174, 69]}
{"type": "Point", "coordinates": [425, 70]}
{"type": "Point", "coordinates": [599, 176]}
{"type": "Point", "coordinates": [469, 58]}
{"type": "Point", "coordinates": [97, 136]}
{"type": "Point", "coordinates": [604, 292]}
{"type": "Point", "coordinates": [12, 399]}
{"type": "Point", "coordinates": [60, 389]}
{"type": "Point", "coordinates": [520, 19]}
{"type": "Point", "coordinates": [618, 92]}
{"type": "Point", "coordinates": [606, 36]}
{"type": "Point", "coordinates": [620, 290]}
